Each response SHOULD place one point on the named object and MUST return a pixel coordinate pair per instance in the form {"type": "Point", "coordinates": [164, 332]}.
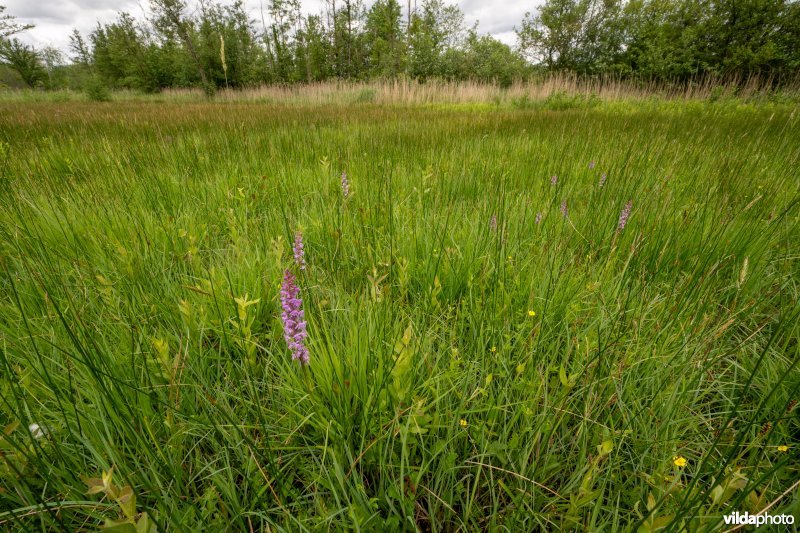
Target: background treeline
{"type": "Point", "coordinates": [218, 45]}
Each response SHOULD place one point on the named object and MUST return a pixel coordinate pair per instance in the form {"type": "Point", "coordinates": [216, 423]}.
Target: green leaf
{"type": "Point", "coordinates": [419, 421]}
{"type": "Point", "coordinates": [127, 501]}
{"type": "Point", "coordinates": [661, 522]}
{"type": "Point", "coordinates": [117, 526]}
{"type": "Point", "coordinates": [95, 485]}
{"type": "Point", "coordinates": [401, 375]}
{"type": "Point", "coordinates": [562, 376]}
{"type": "Point", "coordinates": [605, 448]}
{"type": "Point", "coordinates": [405, 340]}
{"type": "Point", "coordinates": [161, 348]}
{"type": "Point", "coordinates": [716, 494]}
{"type": "Point", "coordinates": [9, 429]}
{"type": "Point", "coordinates": [145, 525]}
{"type": "Point", "coordinates": [651, 501]}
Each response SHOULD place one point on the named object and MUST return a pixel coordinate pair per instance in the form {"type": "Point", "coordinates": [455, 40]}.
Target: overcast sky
{"type": "Point", "coordinates": [55, 19]}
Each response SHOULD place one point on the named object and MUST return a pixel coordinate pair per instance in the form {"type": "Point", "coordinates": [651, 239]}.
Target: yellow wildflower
{"type": "Point", "coordinates": [783, 448]}
{"type": "Point", "coordinates": [531, 313]}
{"type": "Point", "coordinates": [462, 423]}
{"type": "Point", "coordinates": [494, 349]}
{"type": "Point", "coordinates": [679, 461]}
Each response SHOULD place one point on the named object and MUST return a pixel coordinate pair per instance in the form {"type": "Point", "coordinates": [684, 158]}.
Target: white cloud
{"type": "Point", "coordinates": [497, 17]}
{"type": "Point", "coordinates": [55, 19]}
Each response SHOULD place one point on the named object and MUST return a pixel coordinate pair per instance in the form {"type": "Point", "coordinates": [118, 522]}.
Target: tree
{"type": "Point", "coordinates": [787, 39]}
{"type": "Point", "coordinates": [484, 58]}
{"type": "Point", "coordinates": [241, 49]}
{"type": "Point", "coordinates": [20, 57]}
{"type": "Point", "coordinates": [81, 55]}
{"type": "Point", "coordinates": [385, 38]}
{"type": "Point", "coordinates": [434, 28]}
{"type": "Point", "coordinates": [51, 59]}
{"type": "Point", "coordinates": [170, 19]}
{"type": "Point", "coordinates": [120, 54]}
{"type": "Point", "coordinates": [226, 44]}
{"type": "Point", "coordinates": [667, 40]}
{"type": "Point", "coordinates": [9, 25]}
{"type": "Point", "coordinates": [282, 35]}
{"type": "Point", "coordinates": [579, 35]}
{"type": "Point", "coordinates": [550, 36]}
{"type": "Point", "coordinates": [348, 47]}
{"type": "Point", "coordinates": [23, 59]}
{"type": "Point", "coordinates": [313, 50]}
{"type": "Point", "coordinates": [664, 39]}
{"type": "Point", "coordinates": [745, 35]}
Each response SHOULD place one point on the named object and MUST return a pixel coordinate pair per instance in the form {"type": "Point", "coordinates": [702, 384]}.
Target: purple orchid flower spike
{"type": "Point", "coordinates": [293, 318]}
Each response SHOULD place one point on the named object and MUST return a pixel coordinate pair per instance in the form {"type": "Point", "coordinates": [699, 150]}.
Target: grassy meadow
{"type": "Point", "coordinates": [489, 348]}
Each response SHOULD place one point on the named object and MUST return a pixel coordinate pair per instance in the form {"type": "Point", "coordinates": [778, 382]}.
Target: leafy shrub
{"type": "Point", "coordinates": [523, 102]}
{"type": "Point", "coordinates": [562, 101]}
{"type": "Point", "coordinates": [96, 90]}
{"type": "Point", "coordinates": [365, 96]}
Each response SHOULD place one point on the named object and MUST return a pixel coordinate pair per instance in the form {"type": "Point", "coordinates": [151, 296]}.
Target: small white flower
{"type": "Point", "coordinates": [37, 431]}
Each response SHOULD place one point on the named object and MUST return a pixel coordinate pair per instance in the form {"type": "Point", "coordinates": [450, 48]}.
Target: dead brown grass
{"type": "Point", "coordinates": [405, 91]}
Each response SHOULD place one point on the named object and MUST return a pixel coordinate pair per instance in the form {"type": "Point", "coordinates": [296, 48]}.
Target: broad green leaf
{"type": "Point", "coordinates": [605, 447]}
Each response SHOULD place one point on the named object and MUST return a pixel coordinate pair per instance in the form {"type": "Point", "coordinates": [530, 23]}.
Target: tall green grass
{"type": "Point", "coordinates": [434, 400]}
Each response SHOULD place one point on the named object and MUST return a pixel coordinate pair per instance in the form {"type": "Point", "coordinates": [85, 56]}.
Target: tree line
{"type": "Point", "coordinates": [218, 45]}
